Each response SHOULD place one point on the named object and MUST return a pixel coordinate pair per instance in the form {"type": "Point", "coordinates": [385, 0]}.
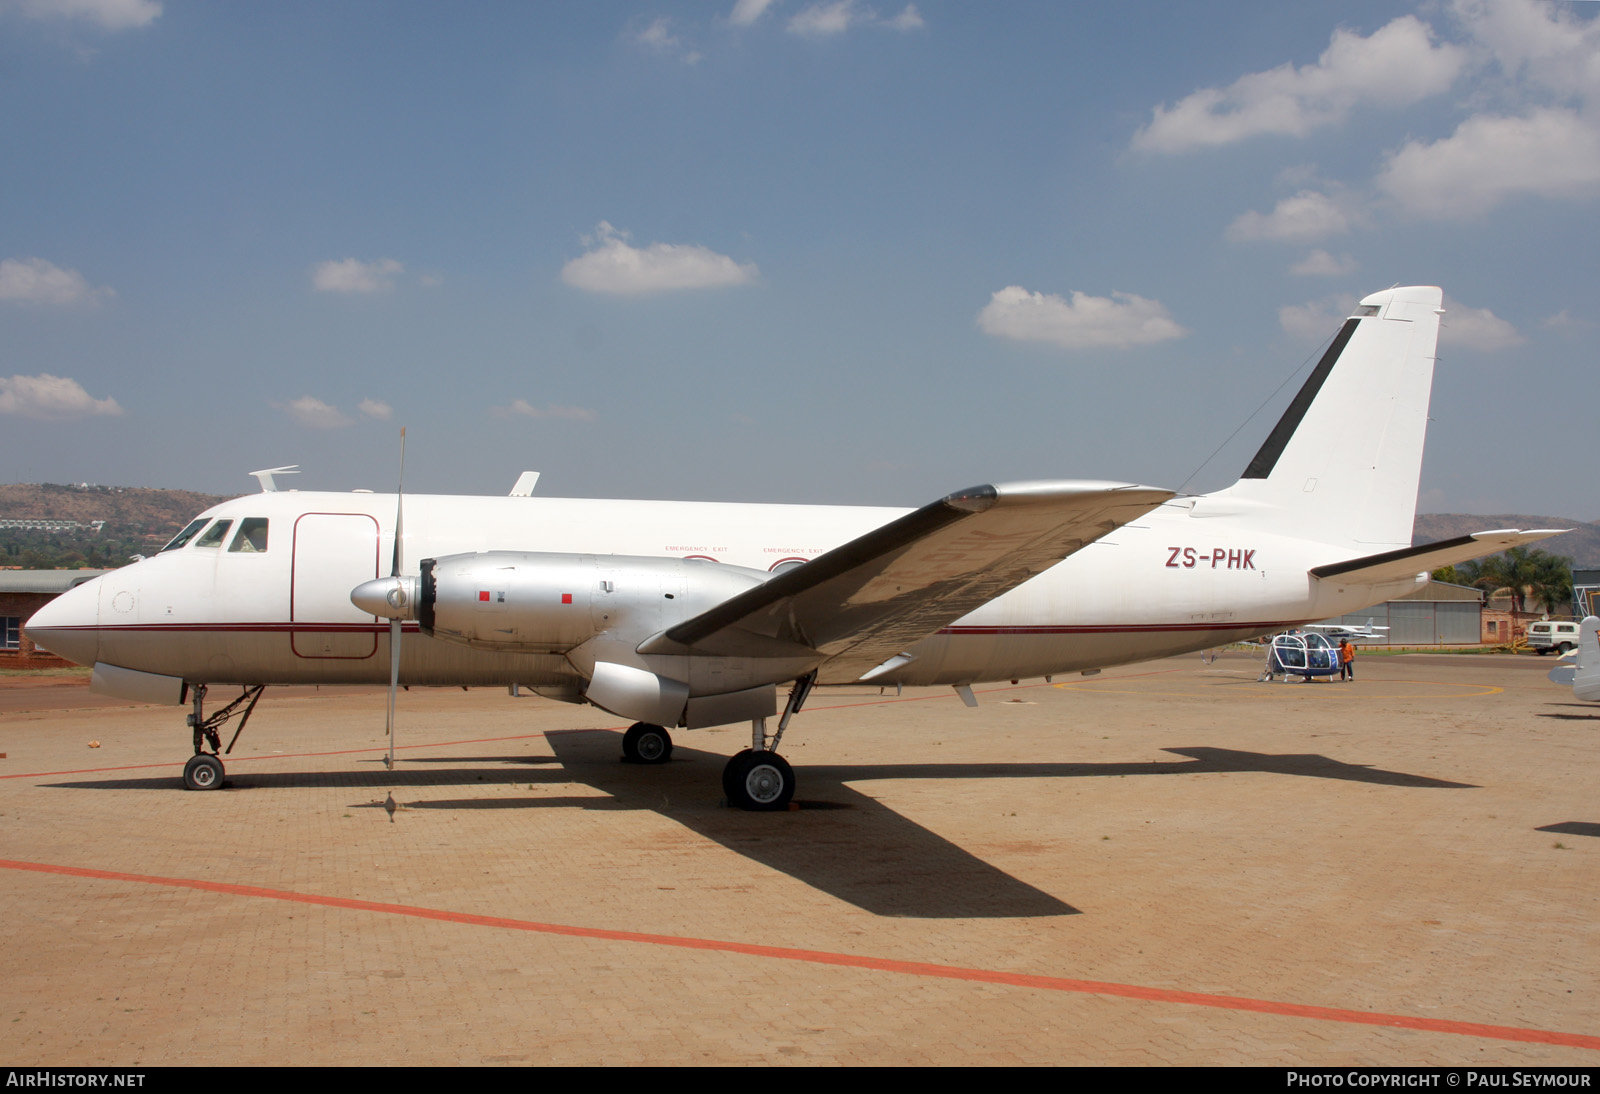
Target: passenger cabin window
{"type": "Point", "coordinates": [215, 534]}
{"type": "Point", "coordinates": [252, 537]}
{"type": "Point", "coordinates": [187, 534]}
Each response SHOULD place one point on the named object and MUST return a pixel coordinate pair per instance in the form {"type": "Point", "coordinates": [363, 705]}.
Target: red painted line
{"type": "Point", "coordinates": [1255, 627]}
{"type": "Point", "coordinates": [277, 756]}
{"type": "Point", "coordinates": [853, 961]}
{"type": "Point", "coordinates": [883, 701]}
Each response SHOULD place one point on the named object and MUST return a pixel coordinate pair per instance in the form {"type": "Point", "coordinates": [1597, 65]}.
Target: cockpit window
{"type": "Point", "coordinates": [187, 534]}
{"type": "Point", "coordinates": [252, 537]}
{"type": "Point", "coordinates": [215, 534]}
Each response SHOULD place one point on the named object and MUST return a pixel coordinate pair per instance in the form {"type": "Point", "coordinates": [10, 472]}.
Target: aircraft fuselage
{"type": "Point", "coordinates": [1167, 584]}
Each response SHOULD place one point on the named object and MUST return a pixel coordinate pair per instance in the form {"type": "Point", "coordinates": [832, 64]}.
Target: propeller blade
{"type": "Point", "coordinates": [394, 622]}
{"type": "Point", "coordinates": [399, 507]}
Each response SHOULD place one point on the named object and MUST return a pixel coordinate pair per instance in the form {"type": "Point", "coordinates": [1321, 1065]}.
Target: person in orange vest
{"type": "Point", "coordinates": [1347, 661]}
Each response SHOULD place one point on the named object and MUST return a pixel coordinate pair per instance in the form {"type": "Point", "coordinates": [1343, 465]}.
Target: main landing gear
{"type": "Point", "coordinates": [204, 771]}
{"type": "Point", "coordinates": [758, 779]}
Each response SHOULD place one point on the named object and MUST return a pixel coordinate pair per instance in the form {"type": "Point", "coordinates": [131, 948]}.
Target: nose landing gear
{"type": "Point", "coordinates": [204, 771]}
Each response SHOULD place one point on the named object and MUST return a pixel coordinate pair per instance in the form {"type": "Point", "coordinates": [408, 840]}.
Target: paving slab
{"type": "Point", "coordinates": [1168, 863]}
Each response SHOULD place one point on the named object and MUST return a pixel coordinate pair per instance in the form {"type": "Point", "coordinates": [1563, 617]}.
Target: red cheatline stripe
{"type": "Point", "coordinates": [853, 961]}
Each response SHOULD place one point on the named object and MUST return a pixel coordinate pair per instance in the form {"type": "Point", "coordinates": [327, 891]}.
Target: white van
{"type": "Point", "coordinates": [1548, 635]}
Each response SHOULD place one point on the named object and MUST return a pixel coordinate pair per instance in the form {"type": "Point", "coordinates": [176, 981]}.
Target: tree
{"type": "Point", "coordinates": [1520, 572]}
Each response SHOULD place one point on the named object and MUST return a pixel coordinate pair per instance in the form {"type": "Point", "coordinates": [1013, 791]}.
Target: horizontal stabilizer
{"type": "Point", "coordinates": [867, 600]}
{"type": "Point", "coordinates": [1410, 561]}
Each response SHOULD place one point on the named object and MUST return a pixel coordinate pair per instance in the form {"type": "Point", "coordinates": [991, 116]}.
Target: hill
{"type": "Point", "coordinates": [139, 519]}
{"type": "Point", "coordinates": [136, 520]}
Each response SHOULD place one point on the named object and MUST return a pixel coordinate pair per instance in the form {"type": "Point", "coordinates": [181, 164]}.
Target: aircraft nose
{"type": "Point", "coordinates": [68, 626]}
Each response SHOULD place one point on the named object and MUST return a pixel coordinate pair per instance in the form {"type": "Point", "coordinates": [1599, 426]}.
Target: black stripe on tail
{"type": "Point", "coordinates": [1278, 439]}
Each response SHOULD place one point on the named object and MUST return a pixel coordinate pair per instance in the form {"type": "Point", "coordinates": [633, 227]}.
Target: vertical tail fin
{"type": "Point", "coordinates": [1586, 681]}
{"type": "Point", "coordinates": [1343, 462]}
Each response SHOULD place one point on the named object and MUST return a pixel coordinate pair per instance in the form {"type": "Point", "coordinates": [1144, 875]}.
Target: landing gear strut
{"type": "Point", "coordinates": [758, 779]}
{"type": "Point", "coordinates": [204, 771]}
{"type": "Point", "coordinates": [646, 744]}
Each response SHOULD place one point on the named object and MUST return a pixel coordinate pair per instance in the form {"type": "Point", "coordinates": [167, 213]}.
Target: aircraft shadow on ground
{"type": "Point", "coordinates": [1572, 828]}
{"type": "Point", "coordinates": [839, 840]}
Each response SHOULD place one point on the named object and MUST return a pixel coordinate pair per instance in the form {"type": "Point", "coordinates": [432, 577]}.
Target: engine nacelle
{"type": "Point", "coordinates": [532, 602]}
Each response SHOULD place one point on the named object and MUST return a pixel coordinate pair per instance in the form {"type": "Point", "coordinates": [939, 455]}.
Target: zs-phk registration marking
{"type": "Point", "coordinates": [1219, 559]}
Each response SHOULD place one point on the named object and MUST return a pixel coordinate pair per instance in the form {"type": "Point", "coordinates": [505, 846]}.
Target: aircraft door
{"type": "Point", "coordinates": [333, 553]}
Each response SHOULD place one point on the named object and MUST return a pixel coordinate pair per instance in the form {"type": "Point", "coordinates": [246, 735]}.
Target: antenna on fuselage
{"type": "Point", "coordinates": [268, 486]}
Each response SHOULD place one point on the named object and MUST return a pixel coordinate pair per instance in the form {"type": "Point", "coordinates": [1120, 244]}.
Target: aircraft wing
{"type": "Point", "coordinates": [1410, 561]}
{"type": "Point", "coordinates": [866, 601]}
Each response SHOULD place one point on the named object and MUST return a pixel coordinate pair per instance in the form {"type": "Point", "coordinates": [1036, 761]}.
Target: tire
{"type": "Point", "coordinates": [759, 782]}
{"type": "Point", "coordinates": [203, 772]}
{"type": "Point", "coordinates": [1565, 648]}
{"type": "Point", "coordinates": [729, 770]}
{"type": "Point", "coordinates": [646, 744]}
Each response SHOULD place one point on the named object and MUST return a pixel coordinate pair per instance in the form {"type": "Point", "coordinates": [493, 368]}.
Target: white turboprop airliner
{"type": "Point", "coordinates": [691, 614]}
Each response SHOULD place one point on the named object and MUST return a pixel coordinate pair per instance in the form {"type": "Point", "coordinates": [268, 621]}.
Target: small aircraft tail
{"type": "Point", "coordinates": [1586, 682]}
{"type": "Point", "coordinates": [1342, 464]}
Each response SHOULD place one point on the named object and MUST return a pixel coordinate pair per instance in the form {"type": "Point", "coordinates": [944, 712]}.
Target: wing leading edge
{"type": "Point", "coordinates": [862, 603]}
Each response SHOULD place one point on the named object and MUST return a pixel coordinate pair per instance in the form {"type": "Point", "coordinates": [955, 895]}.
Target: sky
{"type": "Point", "coordinates": [783, 250]}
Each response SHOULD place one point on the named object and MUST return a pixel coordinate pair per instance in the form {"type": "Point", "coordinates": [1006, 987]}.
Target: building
{"type": "Point", "coordinates": [23, 592]}
{"type": "Point", "coordinates": [1438, 614]}
{"type": "Point", "coordinates": [1586, 592]}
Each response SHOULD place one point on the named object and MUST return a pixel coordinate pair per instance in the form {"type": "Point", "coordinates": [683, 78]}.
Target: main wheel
{"type": "Point", "coordinates": [203, 772]}
{"type": "Point", "coordinates": [729, 770]}
{"type": "Point", "coordinates": [758, 781]}
{"type": "Point", "coordinates": [646, 744]}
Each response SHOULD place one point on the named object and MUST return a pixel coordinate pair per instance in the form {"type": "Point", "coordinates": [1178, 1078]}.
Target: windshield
{"type": "Point", "coordinates": [187, 534]}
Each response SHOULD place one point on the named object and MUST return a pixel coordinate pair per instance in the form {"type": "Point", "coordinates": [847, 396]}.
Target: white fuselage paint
{"type": "Point", "coordinates": [1170, 583]}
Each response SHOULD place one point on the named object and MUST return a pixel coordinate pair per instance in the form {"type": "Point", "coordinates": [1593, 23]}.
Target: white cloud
{"type": "Point", "coordinates": [1302, 218]}
{"type": "Point", "coordinates": [109, 14]}
{"type": "Point", "coordinates": [1316, 320]}
{"type": "Point", "coordinates": [351, 275]}
{"type": "Point", "coordinates": [1475, 328]}
{"type": "Point", "coordinates": [1320, 263]}
{"type": "Point", "coordinates": [313, 413]}
{"type": "Point", "coordinates": [658, 36]}
{"type": "Point", "coordinates": [1552, 153]}
{"type": "Point", "coordinates": [51, 398]}
{"type": "Point", "coordinates": [525, 409]}
{"type": "Point", "coordinates": [1397, 66]}
{"type": "Point", "coordinates": [821, 20]}
{"type": "Point", "coordinates": [35, 281]}
{"type": "Point", "coordinates": [908, 19]}
{"type": "Point", "coordinates": [830, 17]}
{"type": "Point", "coordinates": [376, 408]}
{"type": "Point", "coordinates": [614, 266]}
{"type": "Point", "coordinates": [1562, 321]}
{"type": "Point", "coordinates": [1085, 322]}
{"type": "Point", "coordinates": [746, 12]}
{"type": "Point", "coordinates": [1539, 45]}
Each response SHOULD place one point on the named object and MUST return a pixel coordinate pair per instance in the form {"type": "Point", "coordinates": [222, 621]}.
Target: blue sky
{"type": "Point", "coordinates": [795, 251]}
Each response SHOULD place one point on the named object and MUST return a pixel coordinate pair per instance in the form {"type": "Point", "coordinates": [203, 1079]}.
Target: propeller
{"type": "Point", "coordinates": [394, 621]}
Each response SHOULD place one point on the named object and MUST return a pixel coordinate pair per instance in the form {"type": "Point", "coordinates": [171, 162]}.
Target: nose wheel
{"type": "Point", "coordinates": [203, 772]}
